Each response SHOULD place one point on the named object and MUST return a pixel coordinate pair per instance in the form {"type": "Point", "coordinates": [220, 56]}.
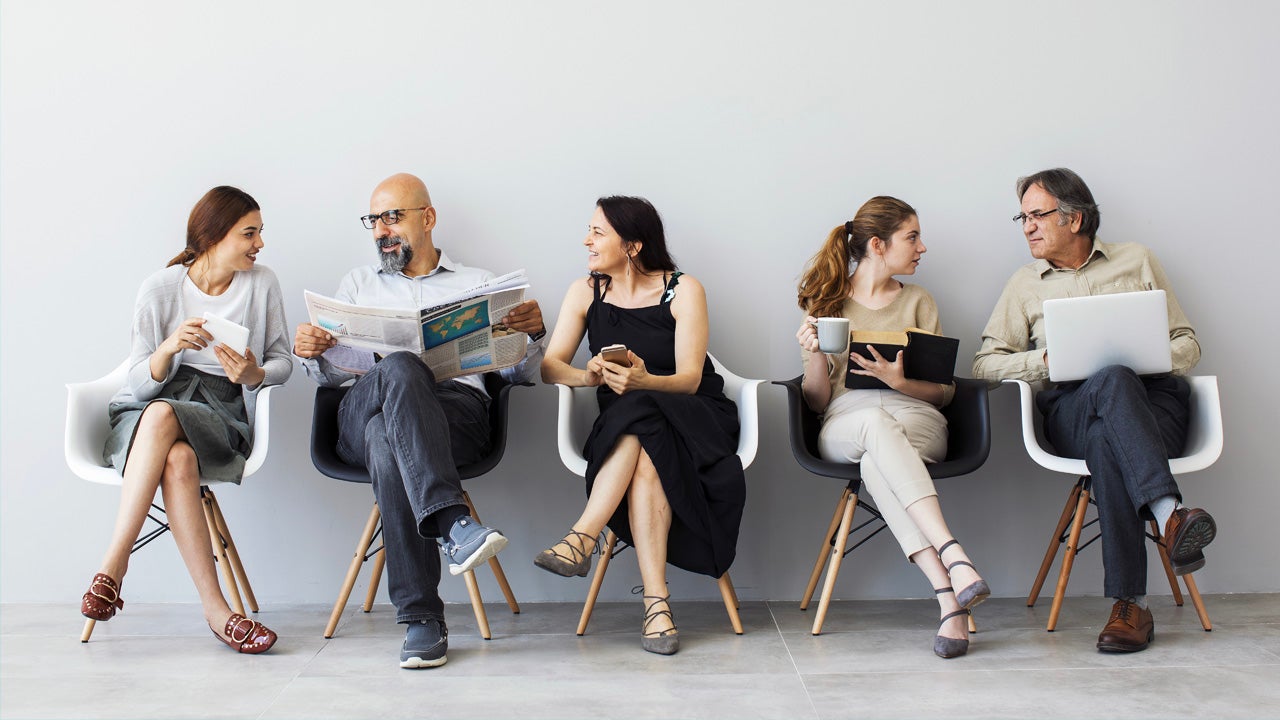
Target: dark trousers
{"type": "Point", "coordinates": [411, 434]}
{"type": "Point", "coordinates": [1126, 428]}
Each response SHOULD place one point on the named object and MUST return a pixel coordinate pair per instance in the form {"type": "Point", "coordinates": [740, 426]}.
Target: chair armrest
{"type": "Point", "coordinates": [261, 431]}
{"type": "Point", "coordinates": [86, 428]}
{"type": "Point", "coordinates": [1204, 431]}
{"type": "Point", "coordinates": [566, 432]}
{"type": "Point", "coordinates": [1035, 450]}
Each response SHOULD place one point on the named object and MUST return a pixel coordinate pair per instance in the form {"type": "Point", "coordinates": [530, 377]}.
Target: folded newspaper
{"type": "Point", "coordinates": [459, 335]}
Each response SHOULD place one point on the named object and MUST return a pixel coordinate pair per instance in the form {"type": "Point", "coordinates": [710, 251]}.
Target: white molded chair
{"type": "Point", "coordinates": [1204, 446]}
{"type": "Point", "coordinates": [86, 433]}
{"type": "Point", "coordinates": [577, 412]}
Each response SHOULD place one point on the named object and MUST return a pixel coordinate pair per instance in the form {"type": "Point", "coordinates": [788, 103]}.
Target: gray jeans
{"type": "Point", "coordinates": [411, 434]}
{"type": "Point", "coordinates": [1126, 428]}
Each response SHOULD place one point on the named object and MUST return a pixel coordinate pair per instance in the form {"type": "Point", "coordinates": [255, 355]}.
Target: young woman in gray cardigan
{"type": "Point", "coordinates": [181, 415]}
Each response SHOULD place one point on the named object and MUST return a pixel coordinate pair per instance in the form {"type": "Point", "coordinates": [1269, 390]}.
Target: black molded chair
{"type": "Point", "coordinates": [969, 442]}
{"type": "Point", "coordinates": [324, 455]}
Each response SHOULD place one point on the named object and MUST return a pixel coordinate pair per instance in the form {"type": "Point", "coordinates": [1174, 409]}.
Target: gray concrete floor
{"type": "Point", "coordinates": [874, 659]}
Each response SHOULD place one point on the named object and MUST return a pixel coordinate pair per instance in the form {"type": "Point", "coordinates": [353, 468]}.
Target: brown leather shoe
{"type": "Point", "coordinates": [246, 636]}
{"type": "Point", "coordinates": [1130, 628]}
{"type": "Point", "coordinates": [1186, 533]}
{"type": "Point", "coordinates": [102, 600]}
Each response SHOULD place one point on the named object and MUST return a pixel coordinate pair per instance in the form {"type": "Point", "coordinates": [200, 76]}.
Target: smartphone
{"type": "Point", "coordinates": [616, 354]}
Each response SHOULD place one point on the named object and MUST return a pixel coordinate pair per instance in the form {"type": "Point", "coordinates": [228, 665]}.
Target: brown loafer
{"type": "Point", "coordinates": [246, 636]}
{"type": "Point", "coordinates": [1130, 628]}
{"type": "Point", "coordinates": [1186, 533]}
{"type": "Point", "coordinates": [103, 599]}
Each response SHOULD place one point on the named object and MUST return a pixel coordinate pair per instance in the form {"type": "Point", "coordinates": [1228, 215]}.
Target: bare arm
{"type": "Point", "coordinates": [571, 326]}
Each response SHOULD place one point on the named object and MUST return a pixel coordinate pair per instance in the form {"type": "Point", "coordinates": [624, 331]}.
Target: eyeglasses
{"type": "Point", "coordinates": [389, 217]}
{"type": "Point", "coordinates": [1022, 218]}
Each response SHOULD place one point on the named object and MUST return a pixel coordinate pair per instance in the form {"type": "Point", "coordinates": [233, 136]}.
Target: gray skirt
{"type": "Point", "coordinates": [210, 409]}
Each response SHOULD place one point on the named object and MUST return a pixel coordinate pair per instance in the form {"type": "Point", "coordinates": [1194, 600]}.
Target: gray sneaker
{"type": "Point", "coordinates": [425, 644]}
{"type": "Point", "coordinates": [469, 544]}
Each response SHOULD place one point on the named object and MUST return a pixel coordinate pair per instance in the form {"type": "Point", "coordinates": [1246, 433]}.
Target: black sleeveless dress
{"type": "Point", "coordinates": [691, 439]}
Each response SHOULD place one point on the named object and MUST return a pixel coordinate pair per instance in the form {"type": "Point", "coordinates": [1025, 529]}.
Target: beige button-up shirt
{"type": "Point", "coordinates": [1013, 341]}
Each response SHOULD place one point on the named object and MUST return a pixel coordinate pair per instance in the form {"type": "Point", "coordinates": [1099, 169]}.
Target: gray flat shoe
{"type": "Point", "coordinates": [576, 563]}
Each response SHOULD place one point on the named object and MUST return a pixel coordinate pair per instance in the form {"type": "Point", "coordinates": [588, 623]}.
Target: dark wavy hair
{"type": "Point", "coordinates": [636, 220]}
{"type": "Point", "coordinates": [211, 219]}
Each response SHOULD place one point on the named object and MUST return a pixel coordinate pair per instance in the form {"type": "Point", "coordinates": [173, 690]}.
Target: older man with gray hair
{"type": "Point", "coordinates": [1124, 426]}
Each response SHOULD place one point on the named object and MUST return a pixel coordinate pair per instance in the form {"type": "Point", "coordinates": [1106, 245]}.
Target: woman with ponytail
{"type": "Point", "coordinates": [892, 432]}
{"type": "Point", "coordinates": [181, 415]}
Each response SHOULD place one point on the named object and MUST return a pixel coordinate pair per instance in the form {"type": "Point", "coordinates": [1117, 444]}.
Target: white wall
{"type": "Point", "coordinates": [754, 128]}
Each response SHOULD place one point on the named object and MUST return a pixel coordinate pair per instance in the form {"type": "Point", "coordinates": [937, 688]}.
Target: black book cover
{"type": "Point", "coordinates": [924, 356]}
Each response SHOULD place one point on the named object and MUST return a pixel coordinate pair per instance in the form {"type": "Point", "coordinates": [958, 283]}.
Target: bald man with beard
{"type": "Point", "coordinates": [408, 430]}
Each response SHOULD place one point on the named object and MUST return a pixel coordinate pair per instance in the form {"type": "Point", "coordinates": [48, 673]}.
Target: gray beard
{"type": "Point", "coordinates": [394, 262]}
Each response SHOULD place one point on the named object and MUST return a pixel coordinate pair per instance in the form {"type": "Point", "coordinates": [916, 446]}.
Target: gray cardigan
{"type": "Point", "coordinates": [158, 312]}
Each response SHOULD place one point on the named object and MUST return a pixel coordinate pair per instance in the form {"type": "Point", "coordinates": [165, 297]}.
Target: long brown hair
{"type": "Point", "coordinates": [827, 279]}
{"type": "Point", "coordinates": [211, 219]}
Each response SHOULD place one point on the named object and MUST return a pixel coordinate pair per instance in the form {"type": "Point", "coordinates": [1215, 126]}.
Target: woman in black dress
{"type": "Point", "coordinates": [661, 465]}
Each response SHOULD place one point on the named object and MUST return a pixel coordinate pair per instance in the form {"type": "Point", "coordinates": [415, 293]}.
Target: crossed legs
{"type": "Point", "coordinates": [160, 459]}
{"type": "Point", "coordinates": [628, 474]}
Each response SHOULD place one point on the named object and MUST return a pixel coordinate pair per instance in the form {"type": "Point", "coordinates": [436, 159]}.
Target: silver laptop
{"type": "Point", "coordinates": [1086, 334]}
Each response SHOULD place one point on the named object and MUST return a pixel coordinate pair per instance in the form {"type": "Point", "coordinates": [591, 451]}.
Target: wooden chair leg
{"type": "Point", "coordinates": [237, 567]}
{"type": "Point", "coordinates": [220, 555]}
{"type": "Point", "coordinates": [494, 565]}
{"type": "Point", "coordinates": [1068, 558]}
{"type": "Point", "coordinates": [597, 580]}
{"type": "Point", "coordinates": [824, 551]}
{"type": "Point", "coordinates": [730, 601]}
{"type": "Point", "coordinates": [353, 570]}
{"type": "Point", "coordinates": [88, 629]}
{"type": "Point", "coordinates": [1054, 542]}
{"type": "Point", "coordinates": [477, 604]}
{"type": "Point", "coordinates": [1197, 602]}
{"type": "Point", "coordinates": [375, 579]}
{"type": "Point", "coordinates": [837, 554]}
{"type": "Point", "coordinates": [1168, 567]}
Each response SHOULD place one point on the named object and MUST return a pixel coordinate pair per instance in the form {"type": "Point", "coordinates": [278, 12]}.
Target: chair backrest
{"type": "Point", "coordinates": [87, 427]}
{"type": "Point", "coordinates": [968, 427]}
{"type": "Point", "coordinates": [578, 408]}
{"type": "Point", "coordinates": [324, 433]}
{"type": "Point", "coordinates": [1204, 431]}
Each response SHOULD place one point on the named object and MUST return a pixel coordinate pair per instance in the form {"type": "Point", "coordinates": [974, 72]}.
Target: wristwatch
{"type": "Point", "coordinates": [535, 337]}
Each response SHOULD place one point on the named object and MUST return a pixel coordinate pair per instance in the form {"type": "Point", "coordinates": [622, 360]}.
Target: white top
{"type": "Point", "coordinates": [229, 305]}
{"type": "Point", "coordinates": [371, 286]}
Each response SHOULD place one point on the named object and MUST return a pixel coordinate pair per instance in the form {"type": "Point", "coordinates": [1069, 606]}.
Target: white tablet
{"type": "Point", "coordinates": [225, 332]}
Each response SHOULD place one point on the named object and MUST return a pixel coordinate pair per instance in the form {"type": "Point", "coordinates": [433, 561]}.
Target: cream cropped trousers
{"type": "Point", "coordinates": [892, 435]}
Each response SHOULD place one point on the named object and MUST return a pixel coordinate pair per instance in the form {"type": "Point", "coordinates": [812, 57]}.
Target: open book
{"type": "Point", "coordinates": [460, 335]}
{"type": "Point", "coordinates": [925, 356]}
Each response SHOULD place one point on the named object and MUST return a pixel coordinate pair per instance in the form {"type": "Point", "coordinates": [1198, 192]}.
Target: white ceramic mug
{"type": "Point", "coordinates": [833, 335]}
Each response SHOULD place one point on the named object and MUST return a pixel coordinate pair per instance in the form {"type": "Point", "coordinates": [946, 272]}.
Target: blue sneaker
{"type": "Point", "coordinates": [469, 544]}
{"type": "Point", "coordinates": [425, 644]}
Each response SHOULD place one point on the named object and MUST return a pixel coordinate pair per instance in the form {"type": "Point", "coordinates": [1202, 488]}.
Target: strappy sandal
{"type": "Point", "coordinates": [246, 636]}
{"type": "Point", "coordinates": [102, 600]}
{"type": "Point", "coordinates": [975, 592]}
{"type": "Point", "coordinates": [662, 642]}
{"type": "Point", "coordinates": [945, 647]}
{"type": "Point", "coordinates": [576, 563]}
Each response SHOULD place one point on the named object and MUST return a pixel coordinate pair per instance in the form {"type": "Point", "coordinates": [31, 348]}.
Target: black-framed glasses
{"type": "Point", "coordinates": [1022, 218]}
{"type": "Point", "coordinates": [388, 217]}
